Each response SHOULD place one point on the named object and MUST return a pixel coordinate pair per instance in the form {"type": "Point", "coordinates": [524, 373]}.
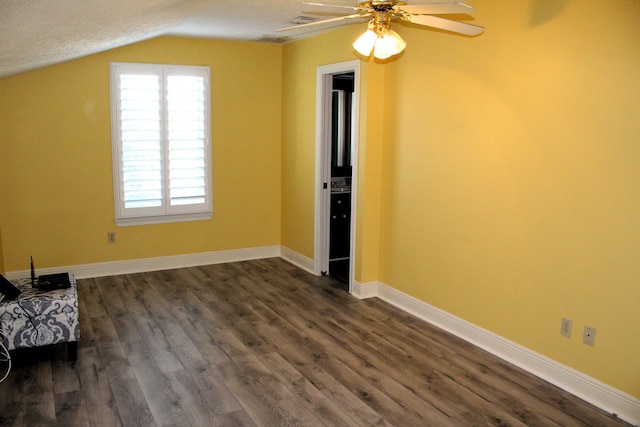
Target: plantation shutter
{"type": "Point", "coordinates": [161, 142]}
{"type": "Point", "coordinates": [140, 119]}
{"type": "Point", "coordinates": [186, 136]}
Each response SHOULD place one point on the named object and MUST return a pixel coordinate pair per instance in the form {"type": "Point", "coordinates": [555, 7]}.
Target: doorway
{"type": "Point", "coordinates": [337, 100]}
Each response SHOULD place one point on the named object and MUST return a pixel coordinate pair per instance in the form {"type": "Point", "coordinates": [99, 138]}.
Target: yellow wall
{"type": "Point", "coordinates": [367, 244]}
{"type": "Point", "coordinates": [511, 182]}
{"type": "Point", "coordinates": [56, 170]}
{"type": "Point", "coordinates": [298, 145]}
{"type": "Point", "coordinates": [1, 252]}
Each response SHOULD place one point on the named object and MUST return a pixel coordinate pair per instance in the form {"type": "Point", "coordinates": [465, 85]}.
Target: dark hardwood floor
{"type": "Point", "coordinates": [263, 343]}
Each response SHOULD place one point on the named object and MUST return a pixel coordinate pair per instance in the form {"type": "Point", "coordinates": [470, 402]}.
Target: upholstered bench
{"type": "Point", "coordinates": [38, 318]}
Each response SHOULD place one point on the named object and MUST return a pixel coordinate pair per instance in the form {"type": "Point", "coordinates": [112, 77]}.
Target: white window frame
{"type": "Point", "coordinates": [164, 213]}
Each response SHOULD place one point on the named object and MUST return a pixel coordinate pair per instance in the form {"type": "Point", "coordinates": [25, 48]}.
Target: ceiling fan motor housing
{"type": "Point", "coordinates": [382, 12]}
{"type": "Point", "coordinates": [381, 6]}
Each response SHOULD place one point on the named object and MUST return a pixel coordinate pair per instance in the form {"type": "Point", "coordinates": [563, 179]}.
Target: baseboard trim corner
{"type": "Point", "coordinates": [364, 290]}
{"type": "Point", "coordinates": [605, 397]}
{"type": "Point", "coordinates": [297, 259]}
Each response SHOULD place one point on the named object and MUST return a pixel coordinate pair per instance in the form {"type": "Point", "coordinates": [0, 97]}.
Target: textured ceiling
{"type": "Point", "coordinates": [37, 33]}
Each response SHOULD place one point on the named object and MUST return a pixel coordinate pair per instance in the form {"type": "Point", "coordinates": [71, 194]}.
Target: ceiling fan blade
{"type": "Point", "coordinates": [334, 6]}
{"type": "Point", "coordinates": [446, 24]}
{"type": "Point", "coordinates": [326, 21]}
{"type": "Point", "coordinates": [437, 8]}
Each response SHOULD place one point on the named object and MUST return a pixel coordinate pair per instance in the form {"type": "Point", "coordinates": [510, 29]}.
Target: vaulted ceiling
{"type": "Point", "coordinates": [38, 33]}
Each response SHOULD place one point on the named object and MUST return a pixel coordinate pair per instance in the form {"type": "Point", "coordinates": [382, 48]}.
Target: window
{"type": "Point", "coordinates": [161, 139]}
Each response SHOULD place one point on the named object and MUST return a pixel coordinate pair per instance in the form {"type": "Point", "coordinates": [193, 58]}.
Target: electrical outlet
{"type": "Point", "coordinates": [589, 336]}
{"type": "Point", "coordinates": [111, 237]}
{"type": "Point", "coordinates": [565, 327]}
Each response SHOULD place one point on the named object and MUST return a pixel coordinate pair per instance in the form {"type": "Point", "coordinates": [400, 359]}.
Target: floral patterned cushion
{"type": "Point", "coordinates": [37, 318]}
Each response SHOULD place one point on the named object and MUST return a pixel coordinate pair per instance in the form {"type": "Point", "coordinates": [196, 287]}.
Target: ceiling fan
{"type": "Point", "coordinates": [380, 38]}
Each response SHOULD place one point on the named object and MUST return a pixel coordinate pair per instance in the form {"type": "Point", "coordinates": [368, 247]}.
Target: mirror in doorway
{"type": "Point", "coordinates": [342, 124]}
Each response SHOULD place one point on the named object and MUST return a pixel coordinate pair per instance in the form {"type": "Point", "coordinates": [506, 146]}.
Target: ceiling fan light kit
{"type": "Point", "coordinates": [383, 45]}
{"type": "Point", "coordinates": [381, 39]}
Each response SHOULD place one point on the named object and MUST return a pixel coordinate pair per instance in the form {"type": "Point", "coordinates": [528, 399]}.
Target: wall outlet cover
{"type": "Point", "coordinates": [565, 327]}
{"type": "Point", "coordinates": [589, 336]}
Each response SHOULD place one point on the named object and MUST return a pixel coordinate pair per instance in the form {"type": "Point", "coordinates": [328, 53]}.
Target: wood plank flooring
{"type": "Point", "coordinates": [263, 343]}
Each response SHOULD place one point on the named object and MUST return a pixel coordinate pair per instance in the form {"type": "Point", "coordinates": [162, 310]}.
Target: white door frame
{"type": "Point", "coordinates": [324, 76]}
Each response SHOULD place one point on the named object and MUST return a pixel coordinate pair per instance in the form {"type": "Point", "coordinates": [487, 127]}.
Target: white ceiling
{"type": "Point", "coordinates": [38, 33]}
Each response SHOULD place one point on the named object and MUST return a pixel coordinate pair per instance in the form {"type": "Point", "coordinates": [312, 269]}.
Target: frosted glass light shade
{"type": "Point", "coordinates": [388, 45]}
{"type": "Point", "coordinates": [365, 43]}
{"type": "Point", "coordinates": [383, 44]}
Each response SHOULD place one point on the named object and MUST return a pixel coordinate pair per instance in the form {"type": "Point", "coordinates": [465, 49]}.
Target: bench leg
{"type": "Point", "coordinates": [72, 351]}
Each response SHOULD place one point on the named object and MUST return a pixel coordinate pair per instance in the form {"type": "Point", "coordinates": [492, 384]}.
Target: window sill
{"type": "Point", "coordinates": [162, 219]}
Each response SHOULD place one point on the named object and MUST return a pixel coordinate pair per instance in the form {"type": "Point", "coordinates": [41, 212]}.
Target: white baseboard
{"type": "Point", "coordinates": [297, 259]}
{"type": "Point", "coordinates": [607, 398]}
{"type": "Point", "coordinates": [155, 264]}
{"type": "Point", "coordinates": [364, 290]}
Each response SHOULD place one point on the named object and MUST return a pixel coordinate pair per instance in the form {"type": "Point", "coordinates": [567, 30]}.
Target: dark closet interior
{"type": "Point", "coordinates": [341, 170]}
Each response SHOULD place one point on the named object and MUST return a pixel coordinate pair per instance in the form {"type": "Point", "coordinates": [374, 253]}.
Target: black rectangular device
{"type": "Point", "coordinates": [49, 282]}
